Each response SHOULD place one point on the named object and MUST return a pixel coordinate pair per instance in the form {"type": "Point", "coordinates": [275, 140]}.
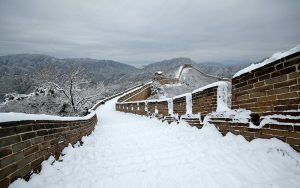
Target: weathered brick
{"type": "Point", "coordinates": [286, 83]}
{"type": "Point", "coordinates": [7, 131]}
{"type": "Point", "coordinates": [27, 136]}
{"type": "Point", "coordinates": [274, 132]}
{"type": "Point", "coordinates": [258, 94]}
{"type": "Point", "coordinates": [252, 81]}
{"type": "Point", "coordinates": [4, 183]}
{"type": "Point", "coordinates": [286, 107]}
{"type": "Point", "coordinates": [281, 127]}
{"type": "Point", "coordinates": [246, 77]}
{"type": "Point", "coordinates": [261, 109]}
{"type": "Point", "coordinates": [37, 162]}
{"type": "Point", "coordinates": [259, 84]}
{"type": "Point", "coordinates": [248, 134]}
{"type": "Point", "coordinates": [246, 102]}
{"type": "Point", "coordinates": [264, 71]}
{"type": "Point", "coordinates": [9, 140]}
{"type": "Point", "coordinates": [247, 87]}
{"type": "Point", "coordinates": [278, 91]}
{"type": "Point", "coordinates": [11, 159]}
{"type": "Point", "coordinates": [263, 88]}
{"type": "Point", "coordinates": [293, 141]}
{"type": "Point", "coordinates": [291, 62]}
{"type": "Point", "coordinates": [4, 172]}
{"type": "Point", "coordinates": [266, 103]}
{"type": "Point", "coordinates": [38, 126]}
{"type": "Point", "coordinates": [30, 150]}
{"type": "Point", "coordinates": [37, 140]}
{"type": "Point", "coordinates": [279, 66]}
{"type": "Point", "coordinates": [288, 95]}
{"type": "Point", "coordinates": [25, 161]}
{"type": "Point", "coordinates": [264, 77]}
{"type": "Point", "coordinates": [20, 173]}
{"type": "Point", "coordinates": [25, 128]}
{"type": "Point", "coordinates": [267, 98]}
{"type": "Point", "coordinates": [4, 151]}
{"type": "Point", "coordinates": [293, 134]}
{"type": "Point", "coordinates": [294, 75]}
{"type": "Point", "coordinates": [237, 128]}
{"type": "Point", "coordinates": [279, 78]}
{"type": "Point", "coordinates": [295, 88]}
{"type": "Point", "coordinates": [243, 97]}
{"type": "Point", "coordinates": [287, 101]}
{"type": "Point", "coordinates": [283, 71]}
{"type": "Point", "coordinates": [19, 146]}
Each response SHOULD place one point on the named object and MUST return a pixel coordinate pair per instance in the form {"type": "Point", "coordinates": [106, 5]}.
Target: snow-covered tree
{"type": "Point", "coordinates": [41, 101]}
{"type": "Point", "coordinates": [58, 91]}
{"type": "Point", "coordinates": [74, 85]}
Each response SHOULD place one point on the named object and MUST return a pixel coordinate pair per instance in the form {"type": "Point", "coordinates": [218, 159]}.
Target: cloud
{"type": "Point", "coordinates": [143, 31]}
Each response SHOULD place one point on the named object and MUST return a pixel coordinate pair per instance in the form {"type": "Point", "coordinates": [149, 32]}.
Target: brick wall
{"type": "Point", "coordinates": [141, 109]}
{"type": "Point", "coordinates": [162, 107]}
{"type": "Point", "coordinates": [179, 105]}
{"type": "Point", "coordinates": [24, 145]}
{"type": "Point", "coordinates": [137, 94]}
{"type": "Point", "coordinates": [151, 107]}
{"type": "Point", "coordinates": [276, 84]}
{"type": "Point", "coordinates": [272, 88]}
{"type": "Point", "coordinates": [140, 95]}
{"type": "Point", "coordinates": [286, 133]}
{"type": "Point", "coordinates": [205, 101]}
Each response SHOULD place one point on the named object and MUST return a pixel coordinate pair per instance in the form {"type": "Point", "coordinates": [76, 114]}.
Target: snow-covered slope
{"type": "Point", "coordinates": [16, 70]}
{"type": "Point", "coordinates": [127, 150]}
{"type": "Point", "coordinates": [190, 80]}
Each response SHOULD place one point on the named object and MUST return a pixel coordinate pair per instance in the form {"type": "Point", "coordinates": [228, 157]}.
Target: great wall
{"type": "Point", "coordinates": [25, 144]}
{"type": "Point", "coordinates": [269, 94]}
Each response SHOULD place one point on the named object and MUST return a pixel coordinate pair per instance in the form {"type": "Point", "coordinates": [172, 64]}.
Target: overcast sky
{"type": "Point", "coordinates": [143, 31]}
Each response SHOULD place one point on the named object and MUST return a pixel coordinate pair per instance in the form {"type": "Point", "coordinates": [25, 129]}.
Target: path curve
{"type": "Point", "coordinates": [127, 150]}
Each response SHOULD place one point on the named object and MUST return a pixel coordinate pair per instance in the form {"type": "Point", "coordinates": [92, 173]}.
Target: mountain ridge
{"type": "Point", "coordinates": [14, 66]}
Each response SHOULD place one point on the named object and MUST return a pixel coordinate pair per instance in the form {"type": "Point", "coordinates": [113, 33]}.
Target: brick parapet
{"type": "Point", "coordinates": [205, 101]}
{"type": "Point", "coordinates": [141, 93]}
{"type": "Point", "coordinates": [286, 133]}
{"type": "Point", "coordinates": [179, 105]}
{"type": "Point", "coordinates": [24, 145]}
{"type": "Point", "coordinates": [272, 88]}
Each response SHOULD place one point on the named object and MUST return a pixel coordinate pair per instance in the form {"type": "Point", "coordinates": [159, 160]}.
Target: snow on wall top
{"type": "Point", "coordinates": [273, 58]}
{"type": "Point", "coordinates": [210, 86]}
{"type": "Point", "coordinates": [12, 116]}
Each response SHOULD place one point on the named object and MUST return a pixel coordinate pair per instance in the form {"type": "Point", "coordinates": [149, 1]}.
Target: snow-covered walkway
{"type": "Point", "coordinates": [126, 150]}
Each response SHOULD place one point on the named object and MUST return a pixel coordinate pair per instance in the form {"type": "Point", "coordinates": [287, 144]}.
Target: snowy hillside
{"type": "Point", "coordinates": [16, 70]}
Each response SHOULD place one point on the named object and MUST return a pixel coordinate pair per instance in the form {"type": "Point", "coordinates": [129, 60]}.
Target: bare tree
{"type": "Point", "coordinates": [74, 84]}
